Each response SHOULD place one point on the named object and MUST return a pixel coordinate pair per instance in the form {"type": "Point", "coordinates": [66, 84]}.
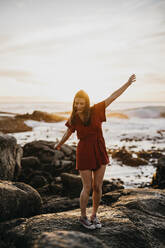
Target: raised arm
{"type": "Point", "coordinates": [65, 137]}
{"type": "Point", "coordinates": [118, 92]}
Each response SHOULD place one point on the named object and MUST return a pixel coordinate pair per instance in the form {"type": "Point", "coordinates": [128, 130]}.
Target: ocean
{"type": "Point", "coordinates": [144, 120]}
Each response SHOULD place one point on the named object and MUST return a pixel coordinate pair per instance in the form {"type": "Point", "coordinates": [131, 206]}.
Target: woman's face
{"type": "Point", "coordinates": [79, 104]}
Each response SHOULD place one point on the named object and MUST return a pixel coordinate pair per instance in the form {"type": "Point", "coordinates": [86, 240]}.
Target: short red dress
{"type": "Point", "coordinates": [91, 150]}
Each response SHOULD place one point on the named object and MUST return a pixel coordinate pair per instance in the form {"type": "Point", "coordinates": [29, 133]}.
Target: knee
{"type": "Point", "coordinates": [97, 188]}
{"type": "Point", "coordinates": [87, 189]}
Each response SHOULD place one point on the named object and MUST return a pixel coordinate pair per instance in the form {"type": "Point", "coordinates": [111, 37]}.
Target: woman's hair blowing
{"type": "Point", "coordinates": [87, 110]}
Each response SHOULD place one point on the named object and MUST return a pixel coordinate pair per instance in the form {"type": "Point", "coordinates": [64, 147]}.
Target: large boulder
{"type": "Point", "coordinates": [18, 200]}
{"type": "Point", "coordinates": [136, 219]}
{"type": "Point", "coordinates": [10, 157]}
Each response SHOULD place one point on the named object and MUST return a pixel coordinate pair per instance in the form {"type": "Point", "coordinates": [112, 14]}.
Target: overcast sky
{"type": "Point", "coordinates": [53, 48]}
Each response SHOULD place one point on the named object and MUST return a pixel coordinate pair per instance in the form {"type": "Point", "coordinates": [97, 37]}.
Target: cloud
{"type": "Point", "coordinates": [152, 78]}
{"type": "Point", "coordinates": [155, 35]}
{"type": "Point", "coordinates": [19, 76]}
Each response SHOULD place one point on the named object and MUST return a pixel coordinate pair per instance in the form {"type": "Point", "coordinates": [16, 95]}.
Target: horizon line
{"type": "Point", "coordinates": [10, 99]}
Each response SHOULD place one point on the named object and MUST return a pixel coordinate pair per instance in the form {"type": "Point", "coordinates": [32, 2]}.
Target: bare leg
{"type": "Point", "coordinates": [98, 176]}
{"type": "Point", "coordinates": [86, 177]}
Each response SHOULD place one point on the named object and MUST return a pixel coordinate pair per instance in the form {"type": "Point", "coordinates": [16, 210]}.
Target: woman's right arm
{"type": "Point", "coordinates": [65, 137]}
{"type": "Point", "coordinates": [118, 92]}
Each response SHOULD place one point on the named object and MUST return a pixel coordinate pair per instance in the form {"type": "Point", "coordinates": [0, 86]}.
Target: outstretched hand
{"type": "Point", "coordinates": [132, 78]}
{"type": "Point", "coordinates": [57, 147]}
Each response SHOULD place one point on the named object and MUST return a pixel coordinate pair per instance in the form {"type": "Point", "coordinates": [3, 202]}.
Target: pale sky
{"type": "Point", "coordinates": [53, 48]}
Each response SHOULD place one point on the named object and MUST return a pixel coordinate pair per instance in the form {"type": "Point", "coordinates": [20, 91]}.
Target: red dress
{"type": "Point", "coordinates": [91, 151]}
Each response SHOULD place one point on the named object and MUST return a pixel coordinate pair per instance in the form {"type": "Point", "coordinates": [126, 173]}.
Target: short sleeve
{"type": "Point", "coordinates": [100, 110]}
{"type": "Point", "coordinates": [70, 126]}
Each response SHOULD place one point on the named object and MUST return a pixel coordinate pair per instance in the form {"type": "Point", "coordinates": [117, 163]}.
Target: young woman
{"type": "Point", "coordinates": [91, 155]}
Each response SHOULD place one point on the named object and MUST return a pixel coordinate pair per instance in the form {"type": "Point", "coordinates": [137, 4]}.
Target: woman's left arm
{"type": "Point", "coordinates": [118, 92]}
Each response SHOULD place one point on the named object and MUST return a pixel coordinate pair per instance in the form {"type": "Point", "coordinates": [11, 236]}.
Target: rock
{"type": "Point", "coordinates": [132, 139]}
{"type": "Point", "coordinates": [111, 186]}
{"type": "Point", "coordinates": [57, 163]}
{"type": "Point", "coordinates": [38, 181]}
{"type": "Point", "coordinates": [18, 165]}
{"type": "Point", "coordinates": [61, 239]}
{"type": "Point", "coordinates": [41, 116]}
{"type": "Point", "coordinates": [39, 178]}
{"type": "Point", "coordinates": [111, 197]}
{"type": "Point", "coordinates": [18, 200]}
{"type": "Point", "coordinates": [10, 157]}
{"type": "Point", "coordinates": [45, 152]}
{"type": "Point", "coordinates": [58, 155]}
{"type": "Point", "coordinates": [30, 165]}
{"type": "Point", "coordinates": [56, 188]}
{"type": "Point", "coordinates": [58, 179]}
{"type": "Point", "coordinates": [161, 131]}
{"type": "Point", "coordinates": [31, 162]}
{"type": "Point", "coordinates": [44, 190]}
{"type": "Point", "coordinates": [42, 163]}
{"type": "Point", "coordinates": [55, 204]}
{"type": "Point", "coordinates": [127, 158]}
{"type": "Point", "coordinates": [67, 150]}
{"type": "Point", "coordinates": [149, 154]}
{"type": "Point", "coordinates": [158, 179]}
{"type": "Point", "coordinates": [13, 125]}
{"type": "Point", "coordinates": [41, 149]}
{"type": "Point", "coordinates": [135, 219]}
{"type": "Point", "coordinates": [66, 165]}
{"type": "Point", "coordinates": [72, 184]}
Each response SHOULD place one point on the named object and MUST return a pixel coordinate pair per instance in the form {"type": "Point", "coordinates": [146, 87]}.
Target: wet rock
{"type": "Point", "coordinates": [10, 157]}
{"type": "Point", "coordinates": [18, 200]}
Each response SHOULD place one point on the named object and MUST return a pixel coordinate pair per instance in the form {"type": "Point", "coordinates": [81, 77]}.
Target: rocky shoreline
{"type": "Point", "coordinates": [40, 188]}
